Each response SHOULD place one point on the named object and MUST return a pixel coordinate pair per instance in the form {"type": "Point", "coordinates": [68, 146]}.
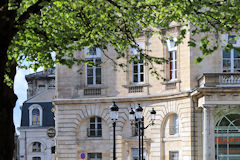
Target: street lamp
{"type": "Point", "coordinates": [114, 116]}
{"type": "Point", "coordinates": [138, 118]}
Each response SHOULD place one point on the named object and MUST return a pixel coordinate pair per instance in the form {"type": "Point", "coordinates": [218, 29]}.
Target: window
{"type": "Point", "coordinates": [36, 158]}
{"type": "Point", "coordinates": [227, 137]}
{"type": "Point", "coordinates": [95, 127]}
{"type": "Point", "coordinates": [94, 72]}
{"type": "Point", "coordinates": [137, 66]}
{"type": "Point", "coordinates": [94, 156]}
{"type": "Point", "coordinates": [173, 155]}
{"type": "Point", "coordinates": [231, 61]}
{"type": "Point", "coordinates": [135, 154]}
{"type": "Point", "coordinates": [173, 124]}
{"type": "Point", "coordinates": [138, 71]}
{"type": "Point", "coordinates": [35, 117]}
{"type": "Point", "coordinates": [172, 53]}
{"type": "Point", "coordinates": [36, 147]}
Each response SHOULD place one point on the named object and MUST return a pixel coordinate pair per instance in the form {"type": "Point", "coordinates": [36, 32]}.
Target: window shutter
{"type": "Point", "coordinates": [224, 39]}
{"type": "Point", "coordinates": [171, 44]}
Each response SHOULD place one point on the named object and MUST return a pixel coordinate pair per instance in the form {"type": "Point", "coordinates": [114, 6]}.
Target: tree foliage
{"type": "Point", "coordinates": [63, 26]}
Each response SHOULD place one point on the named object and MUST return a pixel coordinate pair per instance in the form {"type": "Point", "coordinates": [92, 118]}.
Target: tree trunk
{"type": "Point", "coordinates": [7, 103]}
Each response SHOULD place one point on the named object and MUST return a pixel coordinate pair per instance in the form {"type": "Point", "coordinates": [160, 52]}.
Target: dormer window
{"type": "Point", "coordinates": [35, 115]}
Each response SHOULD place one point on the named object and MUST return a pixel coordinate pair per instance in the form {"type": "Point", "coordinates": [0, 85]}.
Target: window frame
{"type": "Point", "coordinates": [173, 125]}
{"type": "Point", "coordinates": [138, 73]}
{"type": "Point", "coordinates": [94, 72]}
{"type": "Point", "coordinates": [30, 109]}
{"type": "Point", "coordinates": [172, 55]}
{"type": "Point", "coordinates": [36, 147]}
{"type": "Point", "coordinates": [95, 156]}
{"type": "Point", "coordinates": [96, 128]}
{"type": "Point", "coordinates": [139, 64]}
{"type": "Point", "coordinates": [232, 61]}
{"type": "Point", "coordinates": [172, 153]}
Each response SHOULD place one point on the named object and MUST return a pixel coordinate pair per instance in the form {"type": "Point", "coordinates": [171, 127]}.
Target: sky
{"type": "Point", "coordinates": [20, 89]}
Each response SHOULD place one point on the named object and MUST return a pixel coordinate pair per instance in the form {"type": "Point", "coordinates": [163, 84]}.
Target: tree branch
{"type": "Point", "coordinates": [34, 9]}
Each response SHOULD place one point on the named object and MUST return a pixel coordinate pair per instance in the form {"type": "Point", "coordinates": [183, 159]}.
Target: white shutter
{"type": "Point", "coordinates": [224, 39]}
{"type": "Point", "coordinates": [171, 44]}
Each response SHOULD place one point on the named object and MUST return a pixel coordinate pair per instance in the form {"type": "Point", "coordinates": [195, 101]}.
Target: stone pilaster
{"type": "Point", "coordinates": [208, 133]}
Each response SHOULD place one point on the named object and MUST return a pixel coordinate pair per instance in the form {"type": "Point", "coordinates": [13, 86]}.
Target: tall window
{"type": "Point", "coordinates": [35, 117]}
{"type": "Point", "coordinates": [172, 53]}
{"type": "Point", "coordinates": [94, 72]}
{"type": "Point", "coordinates": [173, 155]}
{"type": "Point", "coordinates": [137, 66]}
{"type": "Point", "coordinates": [95, 127]}
{"type": "Point", "coordinates": [227, 137]}
{"type": "Point", "coordinates": [138, 71]}
{"type": "Point", "coordinates": [231, 61]}
{"type": "Point", "coordinates": [36, 158]}
{"type": "Point", "coordinates": [36, 147]}
{"type": "Point", "coordinates": [94, 156]}
{"type": "Point", "coordinates": [173, 124]}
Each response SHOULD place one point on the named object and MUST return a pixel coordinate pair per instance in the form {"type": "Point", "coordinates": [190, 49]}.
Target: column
{"type": "Point", "coordinates": [208, 133]}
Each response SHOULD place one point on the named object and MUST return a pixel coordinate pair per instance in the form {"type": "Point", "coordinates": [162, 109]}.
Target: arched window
{"type": "Point", "coordinates": [173, 124]}
{"type": "Point", "coordinates": [36, 158]}
{"type": "Point", "coordinates": [35, 117]}
{"type": "Point", "coordinates": [36, 147]}
{"type": "Point", "coordinates": [95, 127]}
{"type": "Point", "coordinates": [227, 142]}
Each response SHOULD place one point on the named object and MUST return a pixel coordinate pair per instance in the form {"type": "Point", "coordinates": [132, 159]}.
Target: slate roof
{"type": "Point", "coordinates": [48, 115]}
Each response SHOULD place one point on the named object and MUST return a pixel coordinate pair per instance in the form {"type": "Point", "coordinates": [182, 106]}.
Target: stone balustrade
{"type": "Point", "coordinates": [219, 79]}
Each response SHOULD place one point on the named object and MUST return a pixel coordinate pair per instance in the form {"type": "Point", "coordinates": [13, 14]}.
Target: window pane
{"type": "Point", "coordinates": [226, 64]}
{"type": "Point", "coordinates": [236, 54]}
{"type": "Point", "coordinates": [141, 77]}
{"type": "Point", "coordinates": [98, 71]}
{"type": "Point", "coordinates": [98, 80]}
{"type": "Point", "coordinates": [90, 80]}
{"type": "Point", "coordinates": [135, 69]}
{"type": "Point", "coordinates": [226, 54]}
{"type": "Point", "coordinates": [90, 72]}
{"type": "Point", "coordinates": [98, 62]}
{"type": "Point", "coordinates": [93, 51]}
{"type": "Point", "coordinates": [135, 78]}
{"type": "Point", "coordinates": [141, 68]}
{"type": "Point", "coordinates": [236, 63]}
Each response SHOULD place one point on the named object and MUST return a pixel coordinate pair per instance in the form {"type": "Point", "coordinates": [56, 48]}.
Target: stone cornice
{"type": "Point", "coordinates": [122, 99]}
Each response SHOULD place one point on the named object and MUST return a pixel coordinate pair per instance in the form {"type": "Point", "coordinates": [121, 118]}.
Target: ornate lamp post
{"type": "Point", "coordinates": [139, 120]}
{"type": "Point", "coordinates": [114, 116]}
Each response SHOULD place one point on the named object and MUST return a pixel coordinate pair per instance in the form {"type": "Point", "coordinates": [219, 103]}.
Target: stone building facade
{"type": "Point", "coordinates": [37, 116]}
{"type": "Point", "coordinates": [197, 105]}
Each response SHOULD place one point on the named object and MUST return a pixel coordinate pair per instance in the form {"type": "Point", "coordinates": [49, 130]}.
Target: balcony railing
{"type": "Point", "coordinates": [219, 79]}
{"type": "Point", "coordinates": [94, 132]}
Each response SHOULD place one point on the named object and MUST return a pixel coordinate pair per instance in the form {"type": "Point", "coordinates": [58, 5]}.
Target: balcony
{"type": "Point", "coordinates": [219, 80]}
